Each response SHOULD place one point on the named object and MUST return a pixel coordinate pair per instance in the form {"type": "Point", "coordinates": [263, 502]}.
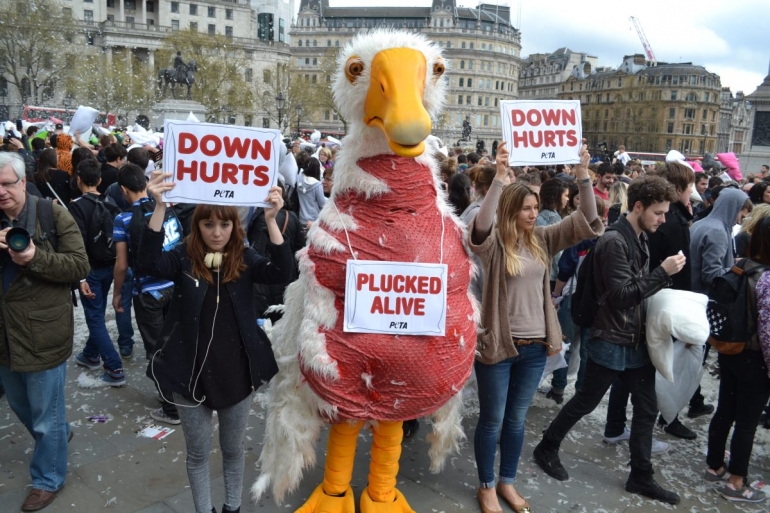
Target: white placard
{"type": "Point", "coordinates": [542, 132]}
{"type": "Point", "coordinates": [82, 120]}
{"type": "Point", "coordinates": [400, 298]}
{"type": "Point", "coordinates": [220, 164]}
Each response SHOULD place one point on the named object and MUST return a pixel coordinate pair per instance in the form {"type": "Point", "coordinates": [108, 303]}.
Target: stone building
{"type": "Point", "coordinates": [735, 122]}
{"type": "Point", "coordinates": [482, 47]}
{"type": "Point", "coordinates": [542, 74]}
{"type": "Point", "coordinates": [649, 107]}
{"type": "Point", "coordinates": [756, 152]}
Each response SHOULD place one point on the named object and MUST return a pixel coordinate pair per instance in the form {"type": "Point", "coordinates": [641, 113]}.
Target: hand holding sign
{"type": "Point", "coordinates": [275, 199]}
{"type": "Point", "coordinates": [157, 186]}
{"type": "Point", "coordinates": [501, 160]}
{"type": "Point", "coordinates": [581, 170]}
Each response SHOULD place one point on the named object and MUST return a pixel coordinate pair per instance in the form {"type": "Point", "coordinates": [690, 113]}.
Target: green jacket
{"type": "Point", "coordinates": [36, 312]}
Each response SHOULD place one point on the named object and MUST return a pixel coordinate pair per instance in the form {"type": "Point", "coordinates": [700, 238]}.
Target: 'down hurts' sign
{"type": "Point", "coordinates": [399, 298]}
{"type": "Point", "coordinates": [220, 164]}
{"type": "Point", "coordinates": [542, 132]}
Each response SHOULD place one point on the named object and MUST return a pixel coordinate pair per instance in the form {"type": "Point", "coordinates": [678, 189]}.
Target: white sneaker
{"type": "Point", "coordinates": [620, 438]}
{"type": "Point", "coordinates": [659, 446]}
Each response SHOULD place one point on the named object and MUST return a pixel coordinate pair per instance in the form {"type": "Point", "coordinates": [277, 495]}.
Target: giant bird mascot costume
{"type": "Point", "coordinates": [386, 205]}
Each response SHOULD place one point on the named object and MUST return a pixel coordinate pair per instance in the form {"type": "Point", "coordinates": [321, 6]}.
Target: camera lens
{"type": "Point", "coordinates": [17, 239]}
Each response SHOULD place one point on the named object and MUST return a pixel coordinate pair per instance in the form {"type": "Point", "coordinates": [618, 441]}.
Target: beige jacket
{"type": "Point", "coordinates": [494, 343]}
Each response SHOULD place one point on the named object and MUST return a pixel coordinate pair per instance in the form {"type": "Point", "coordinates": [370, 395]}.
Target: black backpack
{"type": "Point", "coordinates": [172, 227]}
{"type": "Point", "coordinates": [99, 244]}
{"type": "Point", "coordinates": [585, 304]}
{"type": "Point", "coordinates": [731, 321]}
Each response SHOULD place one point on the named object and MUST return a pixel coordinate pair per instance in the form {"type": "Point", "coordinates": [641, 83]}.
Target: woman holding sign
{"type": "Point", "coordinates": [519, 323]}
{"type": "Point", "coordinates": [213, 354]}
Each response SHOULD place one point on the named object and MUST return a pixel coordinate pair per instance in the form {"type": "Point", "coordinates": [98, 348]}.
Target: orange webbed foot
{"type": "Point", "coordinates": [319, 502]}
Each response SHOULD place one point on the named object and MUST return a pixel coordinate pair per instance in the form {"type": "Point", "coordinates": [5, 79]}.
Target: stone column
{"type": "Point", "coordinates": [108, 54]}
{"type": "Point", "coordinates": [151, 58]}
{"type": "Point", "coordinates": [121, 11]}
{"type": "Point", "coordinates": [143, 10]}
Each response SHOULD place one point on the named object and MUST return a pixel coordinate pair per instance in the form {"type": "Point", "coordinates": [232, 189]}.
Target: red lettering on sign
{"type": "Point", "coordinates": [569, 117]}
{"type": "Point", "coordinates": [435, 285]}
{"type": "Point", "coordinates": [536, 143]}
{"type": "Point", "coordinates": [377, 305]}
{"type": "Point", "coordinates": [258, 148]}
{"type": "Point", "coordinates": [406, 305]}
{"type": "Point", "coordinates": [533, 117]}
{"type": "Point", "coordinates": [411, 284]}
{"type": "Point", "coordinates": [213, 176]}
{"type": "Point", "coordinates": [261, 178]}
{"type": "Point", "coordinates": [419, 306]}
{"type": "Point", "coordinates": [517, 117]}
{"type": "Point", "coordinates": [398, 284]}
{"type": "Point", "coordinates": [387, 308]}
{"type": "Point", "coordinates": [386, 282]}
{"type": "Point", "coordinates": [188, 143]}
{"type": "Point", "coordinates": [520, 138]}
{"type": "Point", "coordinates": [230, 174]}
{"type": "Point", "coordinates": [572, 139]}
{"type": "Point", "coordinates": [182, 170]}
{"type": "Point", "coordinates": [550, 138]}
{"type": "Point", "coordinates": [361, 280]}
{"type": "Point", "coordinates": [237, 145]}
{"type": "Point", "coordinates": [211, 145]}
{"type": "Point", "coordinates": [422, 284]}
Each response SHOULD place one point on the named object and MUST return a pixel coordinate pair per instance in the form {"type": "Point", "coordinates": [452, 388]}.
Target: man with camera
{"type": "Point", "coordinates": [41, 254]}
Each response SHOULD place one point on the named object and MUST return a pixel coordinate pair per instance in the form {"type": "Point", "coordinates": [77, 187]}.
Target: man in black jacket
{"type": "Point", "coordinates": [617, 346]}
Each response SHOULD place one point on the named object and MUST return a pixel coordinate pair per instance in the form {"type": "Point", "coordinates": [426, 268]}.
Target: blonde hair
{"type": "Point", "coordinates": [759, 212]}
{"type": "Point", "coordinates": [508, 208]}
{"type": "Point", "coordinates": [619, 194]}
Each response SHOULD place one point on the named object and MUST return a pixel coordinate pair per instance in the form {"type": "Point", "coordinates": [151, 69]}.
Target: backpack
{"type": "Point", "coordinates": [585, 304]}
{"type": "Point", "coordinates": [99, 244]}
{"type": "Point", "coordinates": [728, 311]}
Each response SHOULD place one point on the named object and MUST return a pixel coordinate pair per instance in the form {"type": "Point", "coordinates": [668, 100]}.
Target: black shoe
{"type": "Point", "coordinates": [700, 410]}
{"type": "Point", "coordinates": [548, 460]}
{"type": "Point", "coordinates": [650, 489]}
{"type": "Point", "coordinates": [411, 427]}
{"type": "Point", "coordinates": [225, 510]}
{"type": "Point", "coordinates": [764, 421]}
{"type": "Point", "coordinates": [558, 398]}
{"type": "Point", "coordinates": [679, 430]}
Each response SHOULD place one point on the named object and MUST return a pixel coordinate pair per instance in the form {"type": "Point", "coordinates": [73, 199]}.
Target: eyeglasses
{"type": "Point", "coordinates": [8, 185]}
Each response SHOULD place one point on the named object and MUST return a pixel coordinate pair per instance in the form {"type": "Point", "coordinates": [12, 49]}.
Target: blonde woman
{"type": "Point", "coordinates": [519, 328]}
{"type": "Point", "coordinates": [618, 201]}
{"type": "Point", "coordinates": [760, 212]}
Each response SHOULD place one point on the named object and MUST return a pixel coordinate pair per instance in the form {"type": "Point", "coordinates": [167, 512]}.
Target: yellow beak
{"type": "Point", "coordinates": [394, 100]}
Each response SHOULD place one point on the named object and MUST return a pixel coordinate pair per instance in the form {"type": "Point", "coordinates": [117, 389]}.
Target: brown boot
{"type": "Point", "coordinates": [37, 500]}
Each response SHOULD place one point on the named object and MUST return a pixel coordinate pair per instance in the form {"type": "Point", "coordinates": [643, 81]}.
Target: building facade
{"type": "Point", "coordinates": [541, 74]}
{"type": "Point", "coordinates": [481, 45]}
{"type": "Point", "coordinates": [649, 107]}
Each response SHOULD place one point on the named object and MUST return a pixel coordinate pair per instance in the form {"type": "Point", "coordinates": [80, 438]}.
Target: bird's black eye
{"type": "Point", "coordinates": [353, 68]}
{"type": "Point", "coordinates": [438, 68]}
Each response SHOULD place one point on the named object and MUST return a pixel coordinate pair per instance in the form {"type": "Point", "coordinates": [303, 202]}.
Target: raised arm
{"type": "Point", "coordinates": [485, 217]}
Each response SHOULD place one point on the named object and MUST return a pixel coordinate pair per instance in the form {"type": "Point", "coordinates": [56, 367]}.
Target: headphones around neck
{"type": "Point", "coordinates": [213, 260]}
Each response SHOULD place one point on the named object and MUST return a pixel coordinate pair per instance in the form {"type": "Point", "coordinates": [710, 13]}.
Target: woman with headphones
{"type": "Point", "coordinates": [212, 354]}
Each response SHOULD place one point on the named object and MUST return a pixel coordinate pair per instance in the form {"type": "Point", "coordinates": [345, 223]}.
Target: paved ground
{"type": "Point", "coordinates": [111, 468]}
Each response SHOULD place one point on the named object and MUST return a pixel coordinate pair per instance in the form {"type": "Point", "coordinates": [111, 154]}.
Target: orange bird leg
{"type": "Point", "coordinates": [381, 496]}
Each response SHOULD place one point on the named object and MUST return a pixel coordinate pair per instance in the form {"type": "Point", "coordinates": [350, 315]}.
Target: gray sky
{"type": "Point", "coordinates": [731, 38]}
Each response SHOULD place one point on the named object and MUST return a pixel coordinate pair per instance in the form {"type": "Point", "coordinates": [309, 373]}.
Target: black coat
{"type": "Point", "coordinates": [173, 367]}
{"type": "Point", "coordinates": [670, 238]}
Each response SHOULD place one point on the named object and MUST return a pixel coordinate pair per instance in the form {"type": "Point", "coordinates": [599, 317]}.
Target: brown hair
{"type": "Point", "coordinates": [232, 264]}
{"type": "Point", "coordinates": [482, 176]}
{"type": "Point", "coordinates": [759, 244]}
{"type": "Point", "coordinates": [678, 175]}
{"type": "Point", "coordinates": [508, 208]}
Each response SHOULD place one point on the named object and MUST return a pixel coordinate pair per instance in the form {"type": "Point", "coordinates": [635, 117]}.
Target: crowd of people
{"type": "Point", "coordinates": [194, 274]}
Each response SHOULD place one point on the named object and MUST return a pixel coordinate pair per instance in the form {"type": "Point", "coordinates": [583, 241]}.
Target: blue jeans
{"type": "Point", "coordinates": [505, 393]}
{"type": "Point", "coordinates": [572, 332]}
{"type": "Point", "coordinates": [99, 342]}
{"type": "Point", "coordinates": [123, 320]}
{"type": "Point", "coordinates": [37, 398]}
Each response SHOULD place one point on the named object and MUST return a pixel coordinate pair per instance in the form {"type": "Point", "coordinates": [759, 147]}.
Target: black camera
{"type": "Point", "coordinates": [18, 239]}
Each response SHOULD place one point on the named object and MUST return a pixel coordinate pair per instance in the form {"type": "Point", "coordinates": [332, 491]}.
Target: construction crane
{"type": "Point", "coordinates": [643, 38]}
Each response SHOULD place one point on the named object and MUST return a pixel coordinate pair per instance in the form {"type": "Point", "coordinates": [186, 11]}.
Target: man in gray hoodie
{"type": "Point", "coordinates": [711, 239]}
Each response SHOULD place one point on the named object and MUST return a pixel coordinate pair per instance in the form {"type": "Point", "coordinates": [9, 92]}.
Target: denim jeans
{"type": "Point", "coordinates": [123, 320]}
{"type": "Point", "coordinates": [99, 342]}
{"type": "Point", "coordinates": [572, 333]}
{"type": "Point", "coordinates": [505, 393]}
{"type": "Point", "coordinates": [197, 428]}
{"type": "Point", "coordinates": [641, 383]}
{"type": "Point", "coordinates": [37, 399]}
{"type": "Point", "coordinates": [743, 392]}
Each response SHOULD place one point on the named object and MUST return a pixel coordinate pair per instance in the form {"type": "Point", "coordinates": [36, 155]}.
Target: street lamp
{"type": "Point", "coordinates": [280, 101]}
{"type": "Point", "coordinates": [299, 115]}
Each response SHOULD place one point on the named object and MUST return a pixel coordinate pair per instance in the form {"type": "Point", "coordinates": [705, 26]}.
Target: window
{"type": "Point", "coordinates": [130, 20]}
{"type": "Point", "coordinates": [194, 26]}
{"type": "Point", "coordinates": [88, 16]}
{"type": "Point", "coordinates": [459, 99]}
{"type": "Point", "coordinates": [471, 45]}
{"type": "Point", "coordinates": [228, 31]}
{"type": "Point", "coordinates": [486, 101]}
{"type": "Point", "coordinates": [194, 9]}
{"type": "Point", "coordinates": [266, 76]}
{"type": "Point", "coordinates": [130, 5]}
{"type": "Point", "coordinates": [470, 82]}
{"type": "Point", "coordinates": [212, 29]}
{"type": "Point", "coordinates": [486, 119]}
{"type": "Point", "coordinates": [706, 98]}
{"type": "Point", "coordinates": [110, 17]}
{"type": "Point", "coordinates": [462, 45]}
{"type": "Point", "coordinates": [462, 64]}
{"type": "Point", "coordinates": [668, 144]}
{"type": "Point", "coordinates": [687, 129]}
{"type": "Point", "coordinates": [300, 42]}
{"type": "Point", "coordinates": [689, 113]}
{"type": "Point", "coordinates": [670, 128]}
{"type": "Point", "coordinates": [307, 60]}
{"type": "Point", "coordinates": [249, 74]}
{"type": "Point", "coordinates": [265, 122]}
{"type": "Point", "coordinates": [174, 24]}
{"type": "Point", "coordinates": [327, 114]}
{"type": "Point", "coordinates": [315, 79]}
{"type": "Point", "coordinates": [336, 42]}
{"type": "Point", "coordinates": [281, 31]}
{"type": "Point", "coordinates": [481, 101]}
{"type": "Point", "coordinates": [468, 100]}
{"type": "Point", "coordinates": [111, 4]}
{"type": "Point", "coordinates": [228, 14]}
{"type": "Point", "coordinates": [247, 120]}
{"type": "Point", "coordinates": [705, 115]}
{"type": "Point", "coordinates": [692, 97]}
{"type": "Point", "coordinates": [461, 82]}
{"type": "Point", "coordinates": [328, 42]}
{"type": "Point", "coordinates": [265, 27]}
{"type": "Point", "coordinates": [88, 1]}
{"type": "Point", "coordinates": [315, 43]}
{"type": "Point", "coordinates": [150, 6]}
{"type": "Point", "coordinates": [174, 6]}
{"type": "Point", "coordinates": [212, 12]}
{"type": "Point", "coordinates": [673, 95]}
{"type": "Point", "coordinates": [672, 112]}
{"type": "Point", "coordinates": [470, 64]}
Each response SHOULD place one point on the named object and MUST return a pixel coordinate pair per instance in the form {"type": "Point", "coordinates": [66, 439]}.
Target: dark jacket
{"type": "Point", "coordinates": [267, 295]}
{"type": "Point", "coordinates": [669, 239]}
{"type": "Point", "coordinates": [59, 183]}
{"type": "Point", "coordinates": [109, 175]}
{"type": "Point", "coordinates": [174, 365]}
{"type": "Point", "coordinates": [621, 269]}
{"type": "Point", "coordinates": [36, 316]}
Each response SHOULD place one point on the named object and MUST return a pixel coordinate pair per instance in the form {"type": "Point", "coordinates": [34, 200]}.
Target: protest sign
{"type": "Point", "coordinates": [220, 164]}
{"type": "Point", "coordinates": [401, 298]}
{"type": "Point", "coordinates": [82, 120]}
{"type": "Point", "coordinates": [545, 132]}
